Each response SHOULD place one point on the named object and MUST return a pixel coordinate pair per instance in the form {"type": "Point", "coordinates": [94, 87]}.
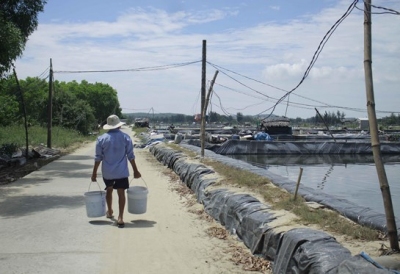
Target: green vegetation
{"type": "Point", "coordinates": [18, 20]}
{"type": "Point", "coordinates": [139, 130]}
{"type": "Point", "coordinates": [77, 106]}
{"type": "Point", "coordinates": [62, 138]}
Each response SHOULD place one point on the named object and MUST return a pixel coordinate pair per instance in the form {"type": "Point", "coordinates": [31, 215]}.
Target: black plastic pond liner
{"type": "Point", "coordinates": [269, 244]}
{"type": "Point", "coordinates": [303, 250]}
{"type": "Point", "coordinates": [199, 186]}
{"type": "Point", "coordinates": [187, 171]}
{"type": "Point", "coordinates": [357, 264]}
{"type": "Point", "coordinates": [300, 250]}
{"type": "Point", "coordinates": [251, 147]}
{"type": "Point", "coordinates": [253, 226]}
{"type": "Point", "coordinates": [362, 215]}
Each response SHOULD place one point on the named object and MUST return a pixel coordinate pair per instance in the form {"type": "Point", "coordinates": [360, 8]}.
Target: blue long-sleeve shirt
{"type": "Point", "coordinates": [113, 149]}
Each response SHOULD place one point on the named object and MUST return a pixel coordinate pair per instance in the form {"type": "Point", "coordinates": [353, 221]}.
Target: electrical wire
{"type": "Point", "coordinates": [196, 102]}
{"type": "Point", "coordinates": [306, 106]}
{"type": "Point", "coordinates": [316, 54]}
{"type": "Point", "coordinates": [315, 57]}
{"type": "Point", "coordinates": [386, 10]}
{"type": "Point", "coordinates": [43, 73]}
{"type": "Point", "coordinates": [221, 106]}
{"type": "Point", "coordinates": [164, 67]}
{"type": "Point", "coordinates": [263, 83]}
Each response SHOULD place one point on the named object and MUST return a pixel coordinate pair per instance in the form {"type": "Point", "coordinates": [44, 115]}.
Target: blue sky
{"type": "Point", "coordinates": [261, 49]}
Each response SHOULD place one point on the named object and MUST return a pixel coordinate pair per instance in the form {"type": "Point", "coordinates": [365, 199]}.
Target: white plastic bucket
{"type": "Point", "coordinates": [95, 203]}
{"type": "Point", "coordinates": [137, 199]}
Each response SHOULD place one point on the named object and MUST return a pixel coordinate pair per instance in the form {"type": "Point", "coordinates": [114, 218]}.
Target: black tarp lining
{"type": "Point", "coordinates": [251, 147]}
{"type": "Point", "coordinates": [362, 215]}
{"type": "Point", "coordinates": [300, 250]}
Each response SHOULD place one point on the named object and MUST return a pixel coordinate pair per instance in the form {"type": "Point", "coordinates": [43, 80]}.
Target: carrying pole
{"type": "Point", "coordinates": [373, 127]}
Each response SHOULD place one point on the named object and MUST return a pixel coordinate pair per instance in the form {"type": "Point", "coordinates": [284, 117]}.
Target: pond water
{"type": "Point", "coordinates": [352, 177]}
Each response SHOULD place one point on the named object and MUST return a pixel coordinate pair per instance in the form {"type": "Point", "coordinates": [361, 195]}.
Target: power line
{"type": "Point", "coordinates": [294, 104]}
{"type": "Point", "coordinates": [221, 106]}
{"type": "Point", "coordinates": [264, 99]}
{"type": "Point", "coordinates": [386, 10]}
{"type": "Point", "coordinates": [43, 73]}
{"type": "Point", "coordinates": [165, 67]}
{"type": "Point", "coordinates": [314, 59]}
{"type": "Point", "coordinates": [317, 53]}
{"type": "Point", "coordinates": [263, 83]}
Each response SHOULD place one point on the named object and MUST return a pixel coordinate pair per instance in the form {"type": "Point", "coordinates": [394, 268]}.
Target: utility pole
{"type": "Point", "coordinates": [203, 96]}
{"type": "Point", "coordinates": [24, 112]}
{"type": "Point", "coordinates": [50, 106]}
{"type": "Point", "coordinates": [373, 126]}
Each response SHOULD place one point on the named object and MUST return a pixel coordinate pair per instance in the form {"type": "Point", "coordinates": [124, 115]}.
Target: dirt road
{"type": "Point", "coordinates": [44, 227]}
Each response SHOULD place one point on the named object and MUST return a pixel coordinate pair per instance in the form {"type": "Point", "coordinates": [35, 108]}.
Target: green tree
{"type": "Point", "coordinates": [214, 117]}
{"type": "Point", "coordinates": [239, 117]}
{"type": "Point", "coordinates": [35, 91]}
{"type": "Point", "coordinates": [101, 97]}
{"type": "Point", "coordinates": [18, 19]}
{"type": "Point", "coordinates": [8, 109]}
{"type": "Point", "coordinates": [72, 112]}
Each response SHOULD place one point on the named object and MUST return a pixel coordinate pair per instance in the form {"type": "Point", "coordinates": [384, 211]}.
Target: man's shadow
{"type": "Point", "coordinates": [132, 224]}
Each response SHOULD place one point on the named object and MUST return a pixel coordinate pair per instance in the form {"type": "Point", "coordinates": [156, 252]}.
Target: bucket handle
{"type": "Point", "coordinates": [101, 192]}
{"type": "Point", "coordinates": [142, 180]}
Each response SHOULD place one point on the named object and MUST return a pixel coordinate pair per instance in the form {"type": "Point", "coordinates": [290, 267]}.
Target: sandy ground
{"type": "Point", "coordinates": [171, 237]}
{"type": "Point", "coordinates": [45, 229]}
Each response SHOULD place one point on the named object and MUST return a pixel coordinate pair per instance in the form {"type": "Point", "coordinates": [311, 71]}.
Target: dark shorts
{"type": "Point", "coordinates": [117, 183]}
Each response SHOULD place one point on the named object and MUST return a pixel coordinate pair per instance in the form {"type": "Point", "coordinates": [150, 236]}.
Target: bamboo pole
{"type": "Point", "coordinates": [209, 92]}
{"type": "Point", "coordinates": [204, 111]}
{"type": "Point", "coordinates": [203, 96]}
{"type": "Point", "coordinates": [325, 125]}
{"type": "Point", "coordinates": [298, 183]}
{"type": "Point", "coordinates": [373, 126]}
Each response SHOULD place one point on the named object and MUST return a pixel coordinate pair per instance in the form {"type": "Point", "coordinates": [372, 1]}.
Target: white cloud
{"type": "Point", "coordinates": [272, 52]}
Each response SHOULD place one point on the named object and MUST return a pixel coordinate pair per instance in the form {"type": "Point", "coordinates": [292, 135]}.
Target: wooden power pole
{"type": "Point", "coordinates": [373, 125]}
{"type": "Point", "coordinates": [50, 106]}
{"type": "Point", "coordinates": [203, 95]}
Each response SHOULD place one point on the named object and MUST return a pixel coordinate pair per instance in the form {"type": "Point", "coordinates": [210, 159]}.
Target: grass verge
{"type": "Point", "coordinates": [60, 137]}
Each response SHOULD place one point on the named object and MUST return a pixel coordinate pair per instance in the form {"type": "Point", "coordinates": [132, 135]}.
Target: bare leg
{"type": "Point", "coordinates": [121, 203]}
{"type": "Point", "coordinates": [109, 201]}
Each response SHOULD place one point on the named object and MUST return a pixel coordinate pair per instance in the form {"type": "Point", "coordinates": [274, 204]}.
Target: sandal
{"type": "Point", "coordinates": [120, 223]}
{"type": "Point", "coordinates": [109, 215]}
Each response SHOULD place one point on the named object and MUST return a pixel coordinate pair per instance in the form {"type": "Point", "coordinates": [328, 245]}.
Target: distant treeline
{"type": "Point", "coordinates": [331, 119]}
{"type": "Point", "coordinates": [79, 106]}
{"type": "Point", "coordinates": [174, 118]}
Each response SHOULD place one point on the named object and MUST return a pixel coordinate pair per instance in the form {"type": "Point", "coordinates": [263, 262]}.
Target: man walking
{"type": "Point", "coordinates": [114, 149]}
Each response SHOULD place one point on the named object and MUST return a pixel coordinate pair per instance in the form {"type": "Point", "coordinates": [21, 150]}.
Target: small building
{"type": "Point", "coordinates": [141, 122]}
{"type": "Point", "coordinates": [363, 123]}
{"type": "Point", "coordinates": [276, 125]}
